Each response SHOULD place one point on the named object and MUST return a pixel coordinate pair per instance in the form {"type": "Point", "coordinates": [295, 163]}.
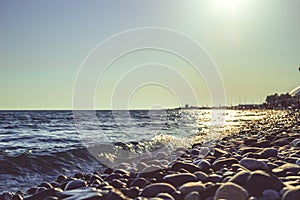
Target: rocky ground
{"type": "Point", "coordinates": [261, 161]}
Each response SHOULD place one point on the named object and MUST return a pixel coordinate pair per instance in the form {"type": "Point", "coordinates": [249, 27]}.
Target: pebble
{"type": "Point", "coordinates": [180, 179]}
{"type": "Point", "coordinates": [75, 184]}
{"type": "Point", "coordinates": [258, 181]}
{"type": "Point", "coordinates": [231, 191]}
{"type": "Point", "coordinates": [192, 186]}
{"type": "Point", "coordinates": [193, 196]}
{"type": "Point", "coordinates": [269, 152]}
{"type": "Point", "coordinates": [293, 194]}
{"type": "Point", "coordinates": [240, 178]}
{"type": "Point", "coordinates": [153, 189]}
{"type": "Point", "coordinates": [253, 164]}
{"type": "Point", "coordinates": [187, 166]}
{"type": "Point", "coordinates": [203, 165]}
{"type": "Point", "coordinates": [271, 194]}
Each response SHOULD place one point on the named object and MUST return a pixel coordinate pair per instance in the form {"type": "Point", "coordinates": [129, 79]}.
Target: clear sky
{"type": "Point", "coordinates": [254, 43]}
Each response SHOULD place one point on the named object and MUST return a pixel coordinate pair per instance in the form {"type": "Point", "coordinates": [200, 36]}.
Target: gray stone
{"type": "Point", "coordinates": [231, 191]}
{"type": "Point", "coordinates": [180, 179]}
{"type": "Point", "coordinates": [191, 186]}
{"type": "Point", "coordinates": [153, 189]}
{"type": "Point", "coordinates": [269, 152]}
{"type": "Point", "coordinates": [193, 196]}
{"type": "Point", "coordinates": [253, 164]}
{"type": "Point", "coordinates": [258, 181]}
{"type": "Point", "coordinates": [271, 194]}
{"type": "Point", "coordinates": [75, 184]}
{"type": "Point", "coordinates": [293, 194]}
{"type": "Point", "coordinates": [240, 178]}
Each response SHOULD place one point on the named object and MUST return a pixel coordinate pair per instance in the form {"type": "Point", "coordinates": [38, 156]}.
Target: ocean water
{"type": "Point", "coordinates": [37, 146]}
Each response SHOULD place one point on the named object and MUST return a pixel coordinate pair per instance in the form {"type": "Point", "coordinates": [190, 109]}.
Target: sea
{"type": "Point", "coordinates": [37, 146]}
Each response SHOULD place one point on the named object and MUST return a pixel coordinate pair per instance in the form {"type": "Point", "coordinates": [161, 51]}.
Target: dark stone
{"type": "Point", "coordinates": [61, 178]}
{"type": "Point", "coordinates": [240, 178]}
{"type": "Point", "coordinates": [293, 194]}
{"type": "Point", "coordinates": [108, 171]}
{"type": "Point", "coordinates": [165, 196]}
{"type": "Point", "coordinates": [210, 191]}
{"type": "Point", "coordinates": [201, 176]}
{"type": "Point", "coordinates": [187, 166]}
{"type": "Point", "coordinates": [75, 184]}
{"type": "Point", "coordinates": [46, 185]}
{"type": "Point", "coordinates": [288, 167]}
{"type": "Point", "coordinates": [258, 181]}
{"type": "Point", "coordinates": [140, 182]}
{"type": "Point", "coordinates": [245, 150]}
{"type": "Point", "coordinates": [281, 142]}
{"type": "Point", "coordinates": [156, 188]}
{"type": "Point", "coordinates": [112, 177]}
{"type": "Point", "coordinates": [47, 193]}
{"type": "Point", "coordinates": [253, 164]}
{"type": "Point", "coordinates": [179, 179]}
{"type": "Point", "coordinates": [215, 178]}
{"type": "Point", "coordinates": [269, 152]}
{"type": "Point", "coordinates": [203, 165]}
{"type": "Point", "coordinates": [6, 196]}
{"type": "Point", "coordinates": [191, 186]}
{"type": "Point", "coordinates": [219, 152]}
{"type": "Point", "coordinates": [220, 163]}
{"type": "Point", "coordinates": [250, 141]}
{"type": "Point", "coordinates": [115, 195]}
{"type": "Point", "coordinates": [17, 197]}
{"type": "Point", "coordinates": [231, 191]}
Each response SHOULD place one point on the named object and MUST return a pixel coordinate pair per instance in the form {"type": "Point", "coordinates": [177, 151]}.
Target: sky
{"type": "Point", "coordinates": [254, 44]}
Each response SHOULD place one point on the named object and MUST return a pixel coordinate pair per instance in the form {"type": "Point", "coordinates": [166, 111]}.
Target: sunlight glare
{"type": "Point", "coordinates": [228, 4]}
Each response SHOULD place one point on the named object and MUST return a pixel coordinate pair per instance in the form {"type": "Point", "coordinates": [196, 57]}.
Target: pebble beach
{"type": "Point", "coordinates": [261, 161]}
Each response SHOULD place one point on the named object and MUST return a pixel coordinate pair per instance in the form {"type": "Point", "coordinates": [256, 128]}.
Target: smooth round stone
{"type": "Point", "coordinates": [138, 182]}
{"type": "Point", "coordinates": [240, 178]}
{"type": "Point", "coordinates": [281, 142]}
{"type": "Point", "coordinates": [231, 191]}
{"type": "Point", "coordinates": [153, 189]}
{"type": "Point", "coordinates": [165, 196]}
{"type": "Point", "coordinates": [245, 150]}
{"type": "Point", "coordinates": [191, 186]}
{"type": "Point", "coordinates": [298, 162]}
{"type": "Point", "coordinates": [61, 178]}
{"type": "Point", "coordinates": [288, 167]}
{"type": "Point", "coordinates": [210, 190]}
{"type": "Point", "coordinates": [187, 166]}
{"type": "Point", "coordinates": [193, 196]}
{"type": "Point", "coordinates": [219, 152]}
{"type": "Point", "coordinates": [6, 196]}
{"type": "Point", "coordinates": [195, 152]}
{"type": "Point", "coordinates": [201, 176]}
{"type": "Point", "coordinates": [253, 164]}
{"type": "Point", "coordinates": [52, 192]}
{"type": "Point", "coordinates": [112, 176]}
{"type": "Point", "coordinates": [215, 178]}
{"type": "Point", "coordinates": [180, 179]}
{"type": "Point", "coordinates": [75, 184]}
{"type": "Point", "coordinates": [141, 166]}
{"type": "Point", "coordinates": [114, 194]}
{"type": "Point", "coordinates": [295, 143]}
{"type": "Point", "coordinates": [203, 165]}
{"type": "Point", "coordinates": [258, 181]}
{"type": "Point", "coordinates": [17, 197]}
{"type": "Point", "coordinates": [292, 194]}
{"type": "Point", "coordinates": [269, 152]}
{"type": "Point", "coordinates": [220, 163]}
{"type": "Point", "coordinates": [271, 194]}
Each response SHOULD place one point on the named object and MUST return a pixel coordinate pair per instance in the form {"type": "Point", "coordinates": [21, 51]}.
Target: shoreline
{"type": "Point", "coordinates": [261, 161]}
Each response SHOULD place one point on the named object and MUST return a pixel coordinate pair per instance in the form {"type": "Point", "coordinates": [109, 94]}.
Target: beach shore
{"type": "Point", "coordinates": [260, 161]}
